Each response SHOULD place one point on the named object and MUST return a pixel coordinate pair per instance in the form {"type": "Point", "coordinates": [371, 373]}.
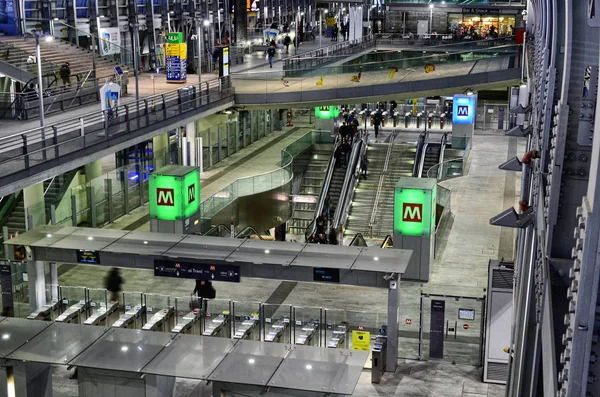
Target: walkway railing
{"type": "Point", "coordinates": [262, 182]}
{"type": "Point", "coordinates": [441, 40]}
{"type": "Point", "coordinates": [324, 55]}
{"type": "Point", "coordinates": [41, 148]}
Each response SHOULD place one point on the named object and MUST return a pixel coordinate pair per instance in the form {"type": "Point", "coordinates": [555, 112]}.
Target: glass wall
{"type": "Point", "coordinates": [481, 26]}
{"type": "Point", "coordinates": [229, 136]}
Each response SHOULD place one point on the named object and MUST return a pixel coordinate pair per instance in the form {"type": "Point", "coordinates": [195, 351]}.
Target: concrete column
{"type": "Point", "coordinates": [35, 212]}
{"type": "Point", "coordinates": [189, 150]}
{"type": "Point", "coordinates": [93, 170]}
{"type": "Point", "coordinates": [159, 145]}
{"type": "Point", "coordinates": [37, 284]}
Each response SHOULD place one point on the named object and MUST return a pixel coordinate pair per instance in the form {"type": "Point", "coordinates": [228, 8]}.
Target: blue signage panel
{"type": "Point", "coordinates": [463, 109]}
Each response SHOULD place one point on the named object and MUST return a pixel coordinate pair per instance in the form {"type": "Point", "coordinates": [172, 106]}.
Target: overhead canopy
{"type": "Point", "coordinates": [243, 362]}
{"type": "Point", "coordinates": [263, 259]}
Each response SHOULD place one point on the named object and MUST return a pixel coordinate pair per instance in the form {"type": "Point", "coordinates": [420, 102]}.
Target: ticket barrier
{"type": "Point", "coordinates": [162, 321]}
{"type": "Point", "coordinates": [407, 119]}
{"type": "Point", "coordinates": [74, 314]}
{"type": "Point", "coordinates": [248, 329]}
{"type": "Point", "coordinates": [47, 312]}
{"type": "Point", "coordinates": [430, 120]}
{"type": "Point", "coordinates": [378, 352]}
{"type": "Point", "coordinates": [419, 117]}
{"type": "Point", "coordinates": [218, 325]}
{"type": "Point", "coordinates": [133, 318]}
{"type": "Point", "coordinates": [338, 337]}
{"type": "Point", "coordinates": [308, 334]}
{"type": "Point", "coordinates": [277, 331]}
{"type": "Point", "coordinates": [105, 314]}
{"type": "Point", "coordinates": [442, 120]}
{"type": "Point", "coordinates": [188, 323]}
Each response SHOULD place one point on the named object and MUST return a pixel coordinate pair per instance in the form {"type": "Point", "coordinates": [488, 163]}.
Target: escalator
{"type": "Point", "coordinates": [222, 230]}
{"type": "Point", "coordinates": [312, 184]}
{"type": "Point", "coordinates": [431, 158]}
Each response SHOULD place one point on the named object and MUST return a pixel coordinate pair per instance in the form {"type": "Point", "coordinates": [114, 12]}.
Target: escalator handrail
{"type": "Point", "coordinates": [220, 225]}
{"type": "Point", "coordinates": [420, 143]}
{"type": "Point", "coordinates": [441, 158]}
{"type": "Point", "coordinates": [251, 229]}
{"type": "Point", "coordinates": [325, 189]}
{"type": "Point", "coordinates": [358, 151]}
{"type": "Point", "coordinates": [385, 241]}
{"type": "Point", "coordinates": [356, 237]}
{"type": "Point", "coordinates": [422, 160]}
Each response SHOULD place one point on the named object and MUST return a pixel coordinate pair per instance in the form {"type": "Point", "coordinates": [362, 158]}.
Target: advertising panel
{"type": "Point", "coordinates": [176, 58]}
{"type": "Point", "coordinates": [110, 41]}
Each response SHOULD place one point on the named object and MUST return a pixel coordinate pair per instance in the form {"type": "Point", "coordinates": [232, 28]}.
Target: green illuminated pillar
{"type": "Point", "coordinates": [414, 223]}
{"type": "Point", "coordinates": [174, 199]}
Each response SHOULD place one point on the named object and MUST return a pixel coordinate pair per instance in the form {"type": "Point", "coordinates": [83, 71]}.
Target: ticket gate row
{"type": "Point", "coordinates": [217, 317]}
{"type": "Point", "coordinates": [77, 305]}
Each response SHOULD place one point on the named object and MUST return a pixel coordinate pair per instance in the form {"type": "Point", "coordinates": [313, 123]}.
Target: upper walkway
{"type": "Point", "coordinates": [72, 139]}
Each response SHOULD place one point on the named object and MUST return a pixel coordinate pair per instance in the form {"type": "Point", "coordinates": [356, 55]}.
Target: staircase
{"type": "Point", "coordinates": [16, 51]}
{"type": "Point", "coordinates": [432, 157]}
{"type": "Point", "coordinates": [312, 184]}
{"type": "Point", "coordinates": [401, 165]}
{"type": "Point", "coordinates": [366, 190]}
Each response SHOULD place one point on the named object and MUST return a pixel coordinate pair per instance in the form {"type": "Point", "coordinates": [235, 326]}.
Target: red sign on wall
{"type": "Point", "coordinates": [408, 321]}
{"type": "Point", "coordinates": [412, 212]}
{"type": "Point", "coordinates": [466, 326]}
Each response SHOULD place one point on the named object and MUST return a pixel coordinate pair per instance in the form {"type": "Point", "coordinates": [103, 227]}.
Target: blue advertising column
{"type": "Point", "coordinates": [463, 120]}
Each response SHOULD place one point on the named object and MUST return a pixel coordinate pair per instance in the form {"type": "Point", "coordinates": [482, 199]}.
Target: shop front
{"type": "Point", "coordinates": [482, 23]}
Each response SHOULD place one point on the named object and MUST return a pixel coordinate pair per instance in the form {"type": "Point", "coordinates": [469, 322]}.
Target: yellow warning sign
{"type": "Point", "coordinates": [361, 340]}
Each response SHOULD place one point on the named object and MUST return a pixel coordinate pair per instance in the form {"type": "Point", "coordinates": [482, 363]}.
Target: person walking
{"type": "Point", "coordinates": [204, 290]}
{"type": "Point", "coordinates": [113, 284]}
{"type": "Point", "coordinates": [65, 73]}
{"type": "Point", "coordinates": [286, 42]}
{"type": "Point", "coordinates": [376, 120]}
{"type": "Point", "coordinates": [271, 55]}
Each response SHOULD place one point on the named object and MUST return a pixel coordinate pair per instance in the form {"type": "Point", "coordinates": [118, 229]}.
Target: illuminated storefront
{"type": "Point", "coordinates": [481, 22]}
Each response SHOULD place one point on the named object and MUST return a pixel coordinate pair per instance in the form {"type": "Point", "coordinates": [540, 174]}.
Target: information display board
{"type": "Point", "coordinates": [207, 271]}
{"type": "Point", "coordinates": [224, 62]}
{"type": "Point", "coordinates": [88, 256]}
{"type": "Point", "coordinates": [176, 58]}
{"type": "Point", "coordinates": [326, 274]}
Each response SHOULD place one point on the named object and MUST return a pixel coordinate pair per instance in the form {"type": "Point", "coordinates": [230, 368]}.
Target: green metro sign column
{"type": "Point", "coordinates": [414, 223]}
{"type": "Point", "coordinates": [174, 195]}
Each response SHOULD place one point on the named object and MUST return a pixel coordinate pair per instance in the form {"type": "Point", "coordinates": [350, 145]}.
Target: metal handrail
{"type": "Point", "coordinates": [356, 240]}
{"type": "Point", "coordinates": [99, 115]}
{"type": "Point", "coordinates": [310, 229]}
{"type": "Point", "coordinates": [360, 147]}
{"type": "Point", "coordinates": [252, 229]}
{"type": "Point", "coordinates": [441, 158]}
{"type": "Point", "coordinates": [420, 143]}
{"type": "Point", "coordinates": [40, 145]}
{"type": "Point", "coordinates": [422, 160]}
{"type": "Point", "coordinates": [218, 227]}
{"type": "Point", "coordinates": [386, 242]}
{"type": "Point", "coordinates": [380, 185]}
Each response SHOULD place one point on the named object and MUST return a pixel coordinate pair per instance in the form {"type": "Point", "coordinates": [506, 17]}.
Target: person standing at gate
{"type": "Point", "coordinates": [204, 290]}
{"type": "Point", "coordinates": [113, 283]}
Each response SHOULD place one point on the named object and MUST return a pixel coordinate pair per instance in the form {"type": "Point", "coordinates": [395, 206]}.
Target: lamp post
{"type": "Point", "coordinates": [38, 60]}
{"type": "Point", "coordinates": [430, 17]}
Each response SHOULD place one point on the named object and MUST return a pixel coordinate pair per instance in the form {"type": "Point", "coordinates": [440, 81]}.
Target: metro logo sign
{"type": "Point", "coordinates": [174, 193]}
{"type": "Point", "coordinates": [414, 207]}
{"type": "Point", "coordinates": [412, 212]}
{"type": "Point", "coordinates": [462, 111]}
{"type": "Point", "coordinates": [191, 193]}
{"type": "Point", "coordinates": [165, 197]}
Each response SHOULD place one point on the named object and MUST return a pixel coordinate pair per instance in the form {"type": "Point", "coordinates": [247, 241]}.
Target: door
{"type": "Point", "coordinates": [451, 329]}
